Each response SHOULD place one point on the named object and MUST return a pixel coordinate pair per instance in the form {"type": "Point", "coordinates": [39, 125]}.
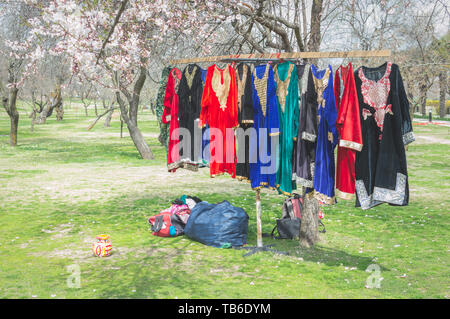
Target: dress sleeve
{"type": "Point", "coordinates": [234, 98]}
{"type": "Point", "coordinates": [348, 120]}
{"type": "Point", "coordinates": [294, 92]}
{"type": "Point", "coordinates": [170, 87]}
{"type": "Point", "coordinates": [247, 108]}
{"type": "Point", "coordinates": [407, 130]}
{"type": "Point", "coordinates": [204, 106]}
{"type": "Point", "coordinates": [331, 112]}
{"type": "Point", "coordinates": [274, 124]}
{"type": "Point", "coordinates": [310, 131]}
{"type": "Point", "coordinates": [197, 94]}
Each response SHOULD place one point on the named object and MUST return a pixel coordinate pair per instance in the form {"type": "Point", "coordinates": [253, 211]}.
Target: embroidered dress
{"type": "Point", "coordinates": [263, 162]}
{"type": "Point", "coordinates": [381, 169]}
{"type": "Point", "coordinates": [287, 94]}
{"type": "Point", "coordinates": [170, 115]}
{"type": "Point", "coordinates": [190, 96]}
{"type": "Point", "coordinates": [219, 110]}
{"type": "Point", "coordinates": [349, 128]}
{"type": "Point", "coordinates": [245, 119]}
{"type": "Point", "coordinates": [306, 141]}
{"type": "Point", "coordinates": [327, 136]}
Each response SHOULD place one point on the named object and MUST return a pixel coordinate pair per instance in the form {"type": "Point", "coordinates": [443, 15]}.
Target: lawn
{"type": "Point", "coordinates": [63, 185]}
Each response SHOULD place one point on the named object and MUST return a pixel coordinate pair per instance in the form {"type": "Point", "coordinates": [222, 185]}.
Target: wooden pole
{"type": "Point", "coordinates": [259, 242]}
{"type": "Point", "coordinates": [289, 55]}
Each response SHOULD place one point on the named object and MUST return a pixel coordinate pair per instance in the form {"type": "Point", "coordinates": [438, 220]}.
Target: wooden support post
{"type": "Point", "coordinates": [259, 242]}
{"type": "Point", "coordinates": [121, 127]}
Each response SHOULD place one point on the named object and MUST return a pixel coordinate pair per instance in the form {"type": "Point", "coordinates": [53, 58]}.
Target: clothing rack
{"type": "Point", "coordinates": [263, 57]}
{"type": "Point", "coordinates": [287, 55]}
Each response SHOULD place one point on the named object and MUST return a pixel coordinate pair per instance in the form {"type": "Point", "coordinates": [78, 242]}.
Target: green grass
{"type": "Point", "coordinates": [62, 185]}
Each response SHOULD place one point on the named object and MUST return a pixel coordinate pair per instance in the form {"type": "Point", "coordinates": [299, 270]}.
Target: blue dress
{"type": "Point", "coordinates": [263, 144]}
{"type": "Point", "coordinates": [327, 135]}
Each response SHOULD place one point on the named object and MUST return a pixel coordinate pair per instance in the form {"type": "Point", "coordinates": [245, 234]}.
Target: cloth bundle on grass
{"type": "Point", "coordinates": [171, 221]}
{"type": "Point", "coordinates": [218, 225]}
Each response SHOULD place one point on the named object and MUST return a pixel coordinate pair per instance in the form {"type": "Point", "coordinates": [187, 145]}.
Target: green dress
{"type": "Point", "coordinates": [286, 79]}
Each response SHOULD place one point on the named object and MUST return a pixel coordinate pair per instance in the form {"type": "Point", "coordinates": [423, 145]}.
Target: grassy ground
{"type": "Point", "coordinates": [62, 185]}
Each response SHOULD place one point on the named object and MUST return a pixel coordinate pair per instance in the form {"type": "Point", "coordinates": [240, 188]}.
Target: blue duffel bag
{"type": "Point", "coordinates": [217, 225]}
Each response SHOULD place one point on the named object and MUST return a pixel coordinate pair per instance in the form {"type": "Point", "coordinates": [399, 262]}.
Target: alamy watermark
{"type": "Point", "coordinates": [374, 280]}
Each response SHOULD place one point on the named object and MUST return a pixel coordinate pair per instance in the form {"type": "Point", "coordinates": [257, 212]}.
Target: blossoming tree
{"type": "Point", "coordinates": [111, 43]}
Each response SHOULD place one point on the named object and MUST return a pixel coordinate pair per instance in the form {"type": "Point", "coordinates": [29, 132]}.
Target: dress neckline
{"type": "Point", "coordinates": [317, 71]}
{"type": "Point", "coordinates": [386, 74]}
{"type": "Point", "coordinates": [264, 74]}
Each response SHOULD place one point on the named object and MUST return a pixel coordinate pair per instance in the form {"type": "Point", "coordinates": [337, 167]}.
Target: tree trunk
{"type": "Point", "coordinates": [58, 104]}
{"type": "Point", "coordinates": [423, 103]}
{"type": "Point", "coordinates": [442, 92]}
{"type": "Point", "coordinates": [129, 116]}
{"type": "Point", "coordinates": [309, 227]}
{"type": "Point", "coordinates": [44, 114]}
{"type": "Point", "coordinates": [108, 119]}
{"type": "Point", "coordinates": [139, 142]}
{"type": "Point", "coordinates": [11, 108]}
{"type": "Point", "coordinates": [95, 108]}
{"type": "Point", "coordinates": [316, 17]}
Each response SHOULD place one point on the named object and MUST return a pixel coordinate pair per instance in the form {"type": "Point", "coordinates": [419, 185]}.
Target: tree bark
{"type": "Point", "coordinates": [130, 116]}
{"type": "Point", "coordinates": [309, 227]}
{"type": "Point", "coordinates": [10, 105]}
{"type": "Point", "coordinates": [442, 92]}
{"type": "Point", "coordinates": [316, 17]}
{"type": "Point", "coordinates": [108, 119]}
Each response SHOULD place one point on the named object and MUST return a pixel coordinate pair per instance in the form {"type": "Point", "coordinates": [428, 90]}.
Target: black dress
{"type": "Point", "coordinates": [307, 131]}
{"type": "Point", "coordinates": [245, 119]}
{"type": "Point", "coordinates": [380, 168]}
{"type": "Point", "coordinates": [190, 96]}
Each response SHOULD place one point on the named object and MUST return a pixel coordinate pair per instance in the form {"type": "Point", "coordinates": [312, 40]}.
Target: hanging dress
{"type": "Point", "coordinates": [381, 170]}
{"type": "Point", "coordinates": [219, 110]}
{"type": "Point", "coordinates": [170, 115]}
{"type": "Point", "coordinates": [349, 128]}
{"type": "Point", "coordinates": [205, 136]}
{"type": "Point", "coordinates": [245, 119]}
{"type": "Point", "coordinates": [190, 96]}
{"type": "Point", "coordinates": [307, 133]}
{"type": "Point", "coordinates": [327, 136]}
{"type": "Point", "coordinates": [287, 94]}
{"type": "Point", "coordinates": [263, 157]}
{"type": "Point", "coordinates": [163, 137]}
{"type": "Point", "coordinates": [305, 148]}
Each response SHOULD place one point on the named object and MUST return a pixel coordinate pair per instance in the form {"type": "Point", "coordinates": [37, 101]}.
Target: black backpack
{"type": "Point", "coordinates": [288, 226]}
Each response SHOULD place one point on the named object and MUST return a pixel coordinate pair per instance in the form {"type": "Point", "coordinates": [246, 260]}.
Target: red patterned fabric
{"type": "Point", "coordinates": [349, 127]}
{"type": "Point", "coordinates": [219, 110]}
{"type": "Point", "coordinates": [170, 115]}
{"type": "Point", "coordinates": [376, 94]}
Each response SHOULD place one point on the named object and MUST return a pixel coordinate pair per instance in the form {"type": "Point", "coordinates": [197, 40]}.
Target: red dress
{"type": "Point", "coordinates": [219, 110]}
{"type": "Point", "coordinates": [170, 115]}
{"type": "Point", "coordinates": [349, 127]}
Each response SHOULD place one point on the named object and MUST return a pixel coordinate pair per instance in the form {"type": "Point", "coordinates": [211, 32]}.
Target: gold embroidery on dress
{"type": "Point", "coordinates": [241, 84]}
{"type": "Point", "coordinates": [283, 86]}
{"type": "Point", "coordinates": [190, 76]}
{"type": "Point", "coordinates": [176, 81]}
{"type": "Point", "coordinates": [261, 88]}
{"type": "Point", "coordinates": [221, 90]}
{"type": "Point", "coordinates": [320, 85]}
